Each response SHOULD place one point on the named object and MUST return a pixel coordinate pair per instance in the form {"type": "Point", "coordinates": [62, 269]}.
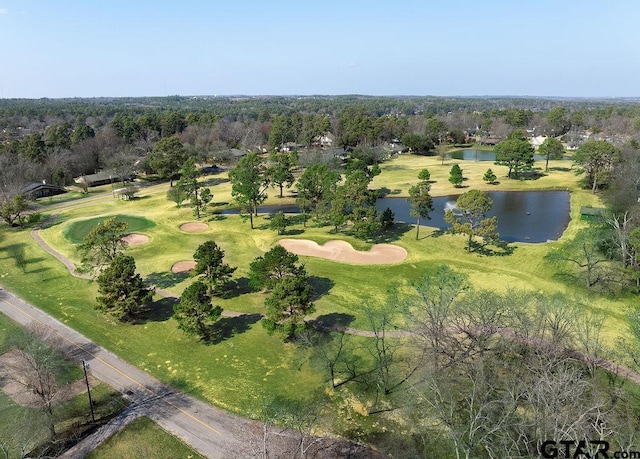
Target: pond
{"type": "Point", "coordinates": [523, 216]}
{"type": "Point", "coordinates": [482, 155]}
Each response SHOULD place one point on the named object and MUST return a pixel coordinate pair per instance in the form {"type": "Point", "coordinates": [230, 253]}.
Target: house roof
{"type": "Point", "coordinates": [99, 177]}
{"type": "Point", "coordinates": [30, 188]}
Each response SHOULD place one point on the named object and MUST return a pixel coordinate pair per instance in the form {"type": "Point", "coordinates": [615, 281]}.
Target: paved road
{"type": "Point", "coordinates": [210, 431]}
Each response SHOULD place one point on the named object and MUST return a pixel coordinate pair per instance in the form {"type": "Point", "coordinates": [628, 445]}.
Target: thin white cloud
{"type": "Point", "coordinates": [3, 11]}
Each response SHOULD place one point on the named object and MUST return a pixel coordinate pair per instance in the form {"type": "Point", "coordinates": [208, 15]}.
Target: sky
{"type": "Point", "coordinates": [118, 48]}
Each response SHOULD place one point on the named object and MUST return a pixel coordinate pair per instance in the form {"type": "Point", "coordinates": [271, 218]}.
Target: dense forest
{"type": "Point", "coordinates": [57, 140]}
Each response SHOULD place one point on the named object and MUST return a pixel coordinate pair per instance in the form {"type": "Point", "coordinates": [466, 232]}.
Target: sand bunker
{"type": "Point", "coordinates": [135, 239]}
{"type": "Point", "coordinates": [183, 267]}
{"type": "Point", "coordinates": [380, 254]}
{"type": "Point", "coordinates": [194, 227]}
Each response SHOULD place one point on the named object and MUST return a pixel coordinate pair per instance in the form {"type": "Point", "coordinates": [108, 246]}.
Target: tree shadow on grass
{"type": "Point", "coordinates": [236, 288]}
{"type": "Point", "coordinates": [320, 286]}
{"type": "Point", "coordinates": [502, 249]}
{"type": "Point", "coordinates": [213, 181]}
{"type": "Point", "coordinates": [292, 232]}
{"type": "Point", "coordinates": [228, 327]}
{"type": "Point", "coordinates": [156, 311]}
{"type": "Point", "coordinates": [166, 279]}
{"type": "Point", "coordinates": [384, 191]}
{"type": "Point", "coordinates": [530, 175]}
{"type": "Point", "coordinates": [216, 218]}
{"type": "Point", "coordinates": [332, 321]}
{"type": "Point", "coordinates": [398, 230]}
{"type": "Point", "coordinates": [437, 233]}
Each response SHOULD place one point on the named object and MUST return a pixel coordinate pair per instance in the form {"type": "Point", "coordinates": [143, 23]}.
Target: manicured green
{"type": "Point", "coordinates": [143, 438]}
{"type": "Point", "coordinates": [76, 232]}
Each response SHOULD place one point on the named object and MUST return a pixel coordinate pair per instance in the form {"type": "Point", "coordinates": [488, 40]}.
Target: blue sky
{"type": "Point", "coordinates": [72, 48]}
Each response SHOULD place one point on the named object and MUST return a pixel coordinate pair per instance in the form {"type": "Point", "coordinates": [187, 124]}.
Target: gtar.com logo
{"type": "Point", "coordinates": [575, 449]}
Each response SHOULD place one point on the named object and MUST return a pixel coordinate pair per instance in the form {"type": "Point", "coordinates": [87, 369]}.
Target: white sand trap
{"type": "Point", "coordinates": [194, 227]}
{"type": "Point", "coordinates": [183, 267]}
{"type": "Point", "coordinates": [135, 239]}
{"type": "Point", "coordinates": [380, 254]}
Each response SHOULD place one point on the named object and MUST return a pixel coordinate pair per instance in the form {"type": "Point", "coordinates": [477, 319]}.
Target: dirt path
{"type": "Point", "coordinates": [57, 255]}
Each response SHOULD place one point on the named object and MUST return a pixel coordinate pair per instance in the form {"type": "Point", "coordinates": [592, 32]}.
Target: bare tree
{"type": "Point", "coordinates": [37, 366]}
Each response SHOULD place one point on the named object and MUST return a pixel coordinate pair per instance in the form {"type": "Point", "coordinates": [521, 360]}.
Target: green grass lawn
{"type": "Point", "coordinates": [247, 365]}
{"type": "Point", "coordinates": [143, 438]}
{"type": "Point", "coordinates": [77, 231]}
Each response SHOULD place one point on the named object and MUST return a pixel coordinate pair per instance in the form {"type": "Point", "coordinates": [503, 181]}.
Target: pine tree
{"type": "Point", "coordinates": [288, 305]}
{"type": "Point", "coordinates": [122, 291]}
{"type": "Point", "coordinates": [194, 312]}
{"type": "Point", "coordinates": [208, 257]}
{"type": "Point", "coordinates": [489, 177]}
{"type": "Point", "coordinates": [421, 203]}
{"type": "Point", "coordinates": [455, 176]}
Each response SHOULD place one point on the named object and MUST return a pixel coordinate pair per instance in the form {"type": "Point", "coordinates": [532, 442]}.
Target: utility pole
{"type": "Point", "coordinates": [85, 365]}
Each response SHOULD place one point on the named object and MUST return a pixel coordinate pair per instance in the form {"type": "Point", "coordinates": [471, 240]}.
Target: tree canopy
{"type": "Point", "coordinates": [12, 208]}
{"type": "Point", "coordinates": [315, 188]}
{"type": "Point", "coordinates": [103, 243]}
{"type": "Point", "coordinates": [209, 264]}
{"type": "Point", "coordinates": [421, 203]}
{"type": "Point", "coordinates": [122, 292]}
{"type": "Point", "coordinates": [469, 217]}
{"type": "Point", "coordinates": [167, 156]}
{"type": "Point", "coordinates": [194, 312]}
{"type": "Point", "coordinates": [249, 183]}
{"type": "Point", "coordinates": [516, 154]}
{"type": "Point", "coordinates": [288, 304]}
{"type": "Point", "coordinates": [281, 171]}
{"type": "Point", "coordinates": [551, 148]}
{"type": "Point", "coordinates": [596, 158]}
{"type": "Point", "coordinates": [276, 264]}
{"type": "Point", "coordinates": [455, 175]}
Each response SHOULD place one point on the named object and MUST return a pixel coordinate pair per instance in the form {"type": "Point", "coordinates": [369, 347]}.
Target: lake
{"type": "Point", "coordinates": [523, 216]}
{"type": "Point", "coordinates": [482, 155]}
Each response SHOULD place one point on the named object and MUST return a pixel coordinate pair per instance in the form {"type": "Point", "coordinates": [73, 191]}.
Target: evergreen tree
{"type": "Point", "coordinates": [276, 264]}
{"type": "Point", "coordinates": [421, 203]}
{"type": "Point", "coordinates": [194, 312]}
{"type": "Point", "coordinates": [278, 222]}
{"type": "Point", "coordinates": [209, 264]}
{"type": "Point", "coordinates": [166, 157]}
{"type": "Point", "coordinates": [288, 305]}
{"type": "Point", "coordinates": [122, 292]}
{"type": "Point", "coordinates": [470, 218]}
{"type": "Point", "coordinates": [489, 176]}
{"type": "Point", "coordinates": [103, 243]}
{"type": "Point", "coordinates": [455, 175]}
{"type": "Point", "coordinates": [424, 175]}
{"type": "Point", "coordinates": [249, 184]}
{"type": "Point", "coordinates": [281, 172]}
{"type": "Point", "coordinates": [516, 153]}
{"type": "Point", "coordinates": [387, 219]}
